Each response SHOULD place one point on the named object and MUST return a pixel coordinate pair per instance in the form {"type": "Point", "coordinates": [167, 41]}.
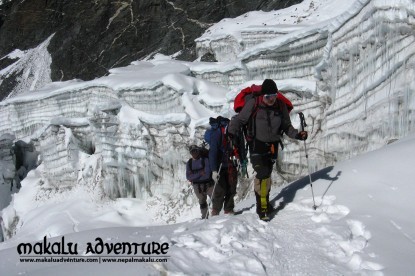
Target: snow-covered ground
{"type": "Point", "coordinates": [363, 225]}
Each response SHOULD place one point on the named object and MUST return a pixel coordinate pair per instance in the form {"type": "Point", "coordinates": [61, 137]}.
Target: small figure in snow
{"type": "Point", "coordinates": [198, 172]}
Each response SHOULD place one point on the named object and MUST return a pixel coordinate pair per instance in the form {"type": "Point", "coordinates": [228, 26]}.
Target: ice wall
{"type": "Point", "coordinates": [363, 64]}
{"type": "Point", "coordinates": [138, 128]}
{"type": "Point", "coordinates": [369, 75]}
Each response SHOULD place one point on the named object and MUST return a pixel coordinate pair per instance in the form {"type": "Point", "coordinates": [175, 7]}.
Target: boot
{"type": "Point", "coordinates": [204, 210]}
{"type": "Point", "coordinates": [264, 217]}
{"type": "Point", "coordinates": [205, 213]}
{"type": "Point", "coordinates": [214, 212]}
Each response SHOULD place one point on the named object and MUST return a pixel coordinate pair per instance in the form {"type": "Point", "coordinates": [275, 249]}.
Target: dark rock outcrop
{"type": "Point", "coordinates": [91, 37]}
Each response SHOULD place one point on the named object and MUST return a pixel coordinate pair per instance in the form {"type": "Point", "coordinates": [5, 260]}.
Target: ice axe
{"type": "Point", "coordinates": [303, 125]}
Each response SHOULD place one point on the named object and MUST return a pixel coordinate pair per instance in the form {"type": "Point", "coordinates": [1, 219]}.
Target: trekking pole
{"type": "Point", "coordinates": [303, 125]}
{"type": "Point", "coordinates": [214, 186]}
{"type": "Point", "coordinates": [245, 167]}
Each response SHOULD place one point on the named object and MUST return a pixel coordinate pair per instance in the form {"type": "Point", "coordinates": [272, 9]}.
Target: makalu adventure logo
{"type": "Point", "coordinates": [98, 251]}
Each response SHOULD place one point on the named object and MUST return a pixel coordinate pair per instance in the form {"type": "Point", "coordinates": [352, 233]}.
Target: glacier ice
{"type": "Point", "coordinates": [127, 133]}
{"type": "Point", "coordinates": [362, 62]}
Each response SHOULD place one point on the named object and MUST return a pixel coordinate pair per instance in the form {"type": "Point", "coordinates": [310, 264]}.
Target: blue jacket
{"type": "Point", "coordinates": [198, 174]}
{"type": "Point", "coordinates": [216, 150]}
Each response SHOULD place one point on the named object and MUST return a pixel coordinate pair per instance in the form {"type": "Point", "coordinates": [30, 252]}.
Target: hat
{"type": "Point", "coordinates": [269, 87]}
{"type": "Point", "coordinates": [193, 148]}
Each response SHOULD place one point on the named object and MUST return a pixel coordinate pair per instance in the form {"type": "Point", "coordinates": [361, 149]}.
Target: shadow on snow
{"type": "Point", "coordinates": [288, 193]}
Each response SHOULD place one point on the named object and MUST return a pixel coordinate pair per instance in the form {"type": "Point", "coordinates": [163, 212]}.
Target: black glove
{"type": "Point", "coordinates": [302, 135]}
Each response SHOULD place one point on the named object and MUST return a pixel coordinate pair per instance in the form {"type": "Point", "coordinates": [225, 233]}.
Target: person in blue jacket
{"type": "Point", "coordinates": [198, 172]}
{"type": "Point", "coordinates": [224, 171]}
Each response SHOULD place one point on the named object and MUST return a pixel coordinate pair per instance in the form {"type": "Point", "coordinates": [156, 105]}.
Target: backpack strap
{"type": "Point", "coordinates": [189, 163]}
{"type": "Point", "coordinates": [251, 125]}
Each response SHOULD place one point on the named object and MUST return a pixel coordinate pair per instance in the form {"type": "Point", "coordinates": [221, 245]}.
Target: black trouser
{"type": "Point", "coordinates": [225, 190]}
{"type": "Point", "coordinates": [202, 191]}
{"type": "Point", "coordinates": [262, 162]}
{"type": "Point", "coordinates": [262, 158]}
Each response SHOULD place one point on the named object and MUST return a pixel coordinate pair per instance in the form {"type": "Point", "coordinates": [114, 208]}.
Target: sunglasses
{"type": "Point", "coordinates": [270, 96]}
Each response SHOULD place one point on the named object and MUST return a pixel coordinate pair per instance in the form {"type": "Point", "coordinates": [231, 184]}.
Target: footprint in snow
{"type": "Point", "coordinates": [212, 254]}
{"type": "Point", "coordinates": [320, 218]}
{"type": "Point", "coordinates": [180, 229]}
{"type": "Point", "coordinates": [221, 221]}
{"type": "Point", "coordinates": [326, 209]}
{"type": "Point", "coordinates": [336, 212]}
{"type": "Point", "coordinates": [348, 248]}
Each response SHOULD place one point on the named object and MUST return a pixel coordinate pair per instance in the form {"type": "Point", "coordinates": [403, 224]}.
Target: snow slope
{"type": "Point", "coordinates": [363, 225]}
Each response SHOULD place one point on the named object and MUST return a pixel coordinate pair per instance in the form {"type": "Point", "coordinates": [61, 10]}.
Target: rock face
{"type": "Point", "coordinates": [91, 37]}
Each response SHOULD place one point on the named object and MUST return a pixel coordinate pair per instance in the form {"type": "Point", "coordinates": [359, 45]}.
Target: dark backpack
{"type": "Point", "coordinates": [215, 124]}
{"type": "Point", "coordinates": [204, 153]}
